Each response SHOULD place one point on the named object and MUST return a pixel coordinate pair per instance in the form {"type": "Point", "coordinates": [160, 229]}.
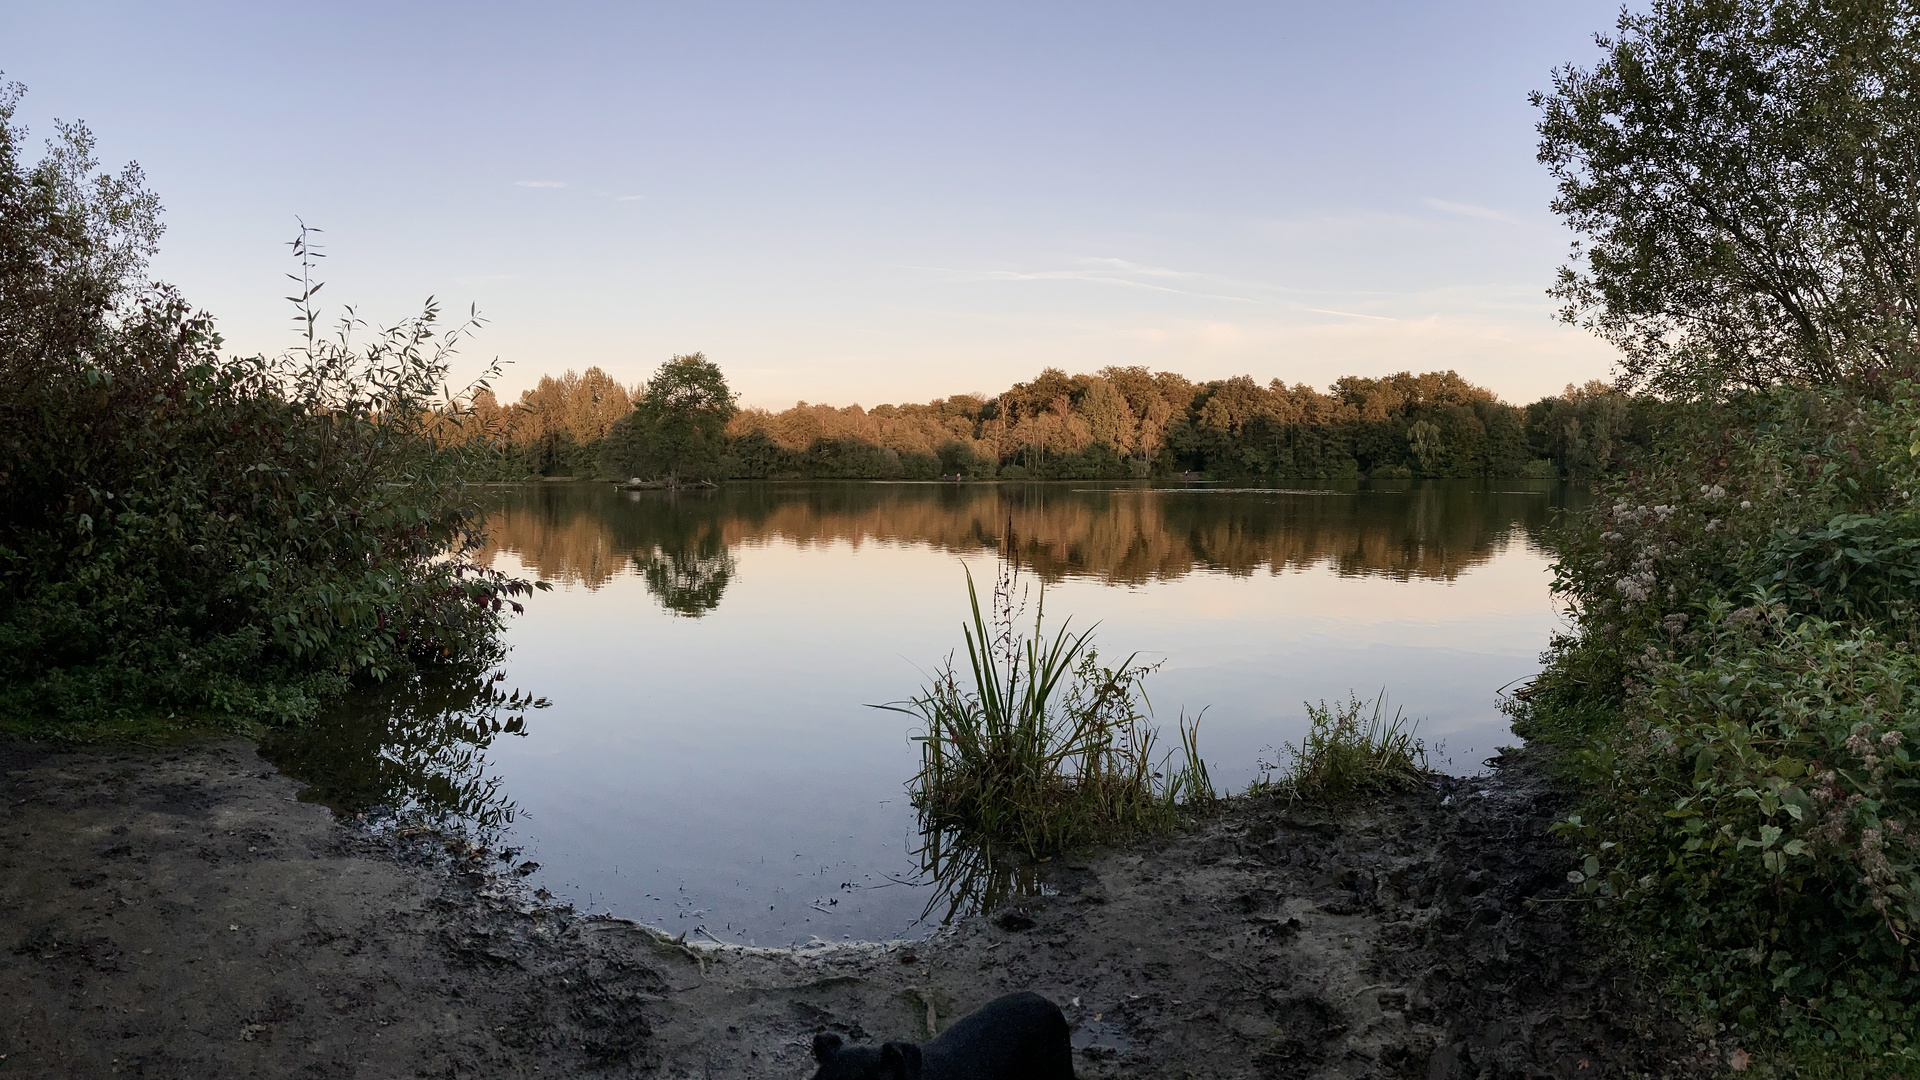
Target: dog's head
{"type": "Point", "coordinates": [889, 1061]}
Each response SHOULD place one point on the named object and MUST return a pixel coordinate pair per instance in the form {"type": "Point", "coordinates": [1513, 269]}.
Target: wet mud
{"type": "Point", "coordinates": [177, 912]}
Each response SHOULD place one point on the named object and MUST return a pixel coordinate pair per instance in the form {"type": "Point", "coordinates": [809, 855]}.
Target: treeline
{"type": "Point", "coordinates": [1119, 423]}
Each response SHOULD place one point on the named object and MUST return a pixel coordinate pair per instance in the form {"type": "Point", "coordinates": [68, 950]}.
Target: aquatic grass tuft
{"type": "Point", "coordinates": [1035, 746]}
{"type": "Point", "coordinates": [1353, 750]}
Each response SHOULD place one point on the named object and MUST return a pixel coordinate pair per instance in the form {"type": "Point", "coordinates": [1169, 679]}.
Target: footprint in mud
{"type": "Point", "coordinates": [1097, 1034]}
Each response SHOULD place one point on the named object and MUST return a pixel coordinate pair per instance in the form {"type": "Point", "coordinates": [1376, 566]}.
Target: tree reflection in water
{"type": "Point", "coordinates": [680, 543]}
{"type": "Point", "coordinates": [689, 582]}
{"type": "Point", "coordinates": [414, 748]}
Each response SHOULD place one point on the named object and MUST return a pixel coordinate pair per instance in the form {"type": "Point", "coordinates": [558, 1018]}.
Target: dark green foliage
{"type": "Point", "coordinates": [677, 430]}
{"type": "Point", "coordinates": [1740, 682]}
{"type": "Point", "coordinates": [1740, 694]}
{"type": "Point", "coordinates": [1454, 434]}
{"type": "Point", "coordinates": [232, 538]}
{"type": "Point", "coordinates": [959, 459]}
{"type": "Point", "coordinates": [559, 454]}
{"type": "Point", "coordinates": [851, 459]}
{"type": "Point", "coordinates": [1589, 432]}
{"type": "Point", "coordinates": [1742, 172]}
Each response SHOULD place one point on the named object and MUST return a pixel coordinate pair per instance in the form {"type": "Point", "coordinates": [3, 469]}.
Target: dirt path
{"type": "Point", "coordinates": [178, 914]}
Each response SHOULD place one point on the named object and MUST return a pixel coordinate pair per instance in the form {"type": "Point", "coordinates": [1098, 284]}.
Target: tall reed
{"type": "Point", "coordinates": [1036, 746]}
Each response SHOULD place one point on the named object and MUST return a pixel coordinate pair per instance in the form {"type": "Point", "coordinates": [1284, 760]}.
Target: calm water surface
{"type": "Point", "coordinates": [701, 756]}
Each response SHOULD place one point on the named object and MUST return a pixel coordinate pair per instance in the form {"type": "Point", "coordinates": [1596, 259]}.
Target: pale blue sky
{"type": "Point", "coordinates": [851, 202]}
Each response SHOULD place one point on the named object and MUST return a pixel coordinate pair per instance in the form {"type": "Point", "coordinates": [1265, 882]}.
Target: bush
{"type": "Point", "coordinates": [233, 539]}
{"type": "Point", "coordinates": [1760, 808]}
{"type": "Point", "coordinates": [1739, 691]}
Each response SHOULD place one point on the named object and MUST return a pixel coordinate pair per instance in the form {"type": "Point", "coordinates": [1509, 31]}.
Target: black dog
{"type": "Point", "coordinates": [1017, 1037]}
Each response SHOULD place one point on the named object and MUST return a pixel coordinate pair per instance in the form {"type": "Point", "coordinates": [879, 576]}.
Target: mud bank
{"type": "Point", "coordinates": [175, 913]}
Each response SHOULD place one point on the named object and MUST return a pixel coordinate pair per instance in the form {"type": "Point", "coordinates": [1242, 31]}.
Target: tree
{"type": "Point", "coordinates": [1746, 176]}
{"type": "Point", "coordinates": [74, 243]}
{"type": "Point", "coordinates": [677, 429]}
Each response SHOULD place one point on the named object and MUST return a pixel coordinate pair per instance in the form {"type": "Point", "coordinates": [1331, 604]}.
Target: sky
{"type": "Point", "coordinates": [862, 203]}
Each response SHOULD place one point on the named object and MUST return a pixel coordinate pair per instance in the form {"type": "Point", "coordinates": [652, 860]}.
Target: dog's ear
{"type": "Point", "coordinates": [900, 1059]}
{"type": "Point", "coordinates": [825, 1045]}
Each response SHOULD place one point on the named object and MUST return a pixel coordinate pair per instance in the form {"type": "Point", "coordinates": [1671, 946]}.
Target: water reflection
{"type": "Point", "coordinates": [689, 582]}
{"type": "Point", "coordinates": [679, 542]}
{"type": "Point", "coordinates": [967, 877]}
{"type": "Point", "coordinates": [412, 748]}
{"type": "Point", "coordinates": [721, 773]}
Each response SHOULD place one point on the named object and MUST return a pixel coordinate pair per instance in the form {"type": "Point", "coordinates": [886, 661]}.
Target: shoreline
{"type": "Point", "coordinates": [178, 912]}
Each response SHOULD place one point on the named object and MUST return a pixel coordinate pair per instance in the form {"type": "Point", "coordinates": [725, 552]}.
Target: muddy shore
{"type": "Point", "coordinates": [179, 913]}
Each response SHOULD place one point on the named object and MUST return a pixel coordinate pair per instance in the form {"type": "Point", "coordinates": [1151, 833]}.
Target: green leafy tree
{"type": "Point", "coordinates": [74, 243]}
{"type": "Point", "coordinates": [1746, 178]}
{"type": "Point", "coordinates": [678, 428]}
{"type": "Point", "coordinates": [1426, 441]}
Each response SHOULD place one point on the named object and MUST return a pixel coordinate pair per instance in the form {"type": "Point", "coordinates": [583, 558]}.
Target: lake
{"type": "Point", "coordinates": [681, 731]}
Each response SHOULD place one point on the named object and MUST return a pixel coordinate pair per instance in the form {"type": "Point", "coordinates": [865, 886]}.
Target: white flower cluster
{"type": "Point", "coordinates": [1635, 587]}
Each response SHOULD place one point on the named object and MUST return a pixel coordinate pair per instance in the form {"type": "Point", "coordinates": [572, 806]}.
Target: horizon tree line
{"type": "Point", "coordinates": [1117, 423]}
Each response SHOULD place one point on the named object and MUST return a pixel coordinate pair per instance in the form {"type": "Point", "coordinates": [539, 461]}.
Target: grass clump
{"type": "Point", "coordinates": [1035, 746]}
{"type": "Point", "coordinates": [1352, 750]}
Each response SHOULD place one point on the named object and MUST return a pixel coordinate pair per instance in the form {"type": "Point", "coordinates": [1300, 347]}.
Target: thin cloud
{"type": "Point", "coordinates": [540, 183]}
{"type": "Point", "coordinates": [1097, 278]}
{"type": "Point", "coordinates": [1337, 226]}
{"type": "Point", "coordinates": [628, 198]}
{"type": "Point", "coordinates": [1220, 281]}
{"type": "Point", "coordinates": [1350, 314]}
{"type": "Point", "coordinates": [1472, 211]}
{"type": "Point", "coordinates": [1137, 268]}
{"type": "Point", "coordinates": [1108, 279]}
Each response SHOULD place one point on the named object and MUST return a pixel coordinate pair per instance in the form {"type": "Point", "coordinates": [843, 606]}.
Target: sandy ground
{"type": "Point", "coordinates": [178, 913]}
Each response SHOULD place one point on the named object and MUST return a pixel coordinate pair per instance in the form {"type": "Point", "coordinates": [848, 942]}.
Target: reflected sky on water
{"type": "Point", "coordinates": [708, 764]}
